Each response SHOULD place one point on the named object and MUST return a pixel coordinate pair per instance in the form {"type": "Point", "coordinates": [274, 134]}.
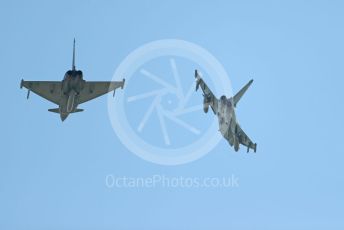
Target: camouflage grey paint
{"type": "Point", "coordinates": [224, 108]}
{"type": "Point", "coordinates": [71, 91]}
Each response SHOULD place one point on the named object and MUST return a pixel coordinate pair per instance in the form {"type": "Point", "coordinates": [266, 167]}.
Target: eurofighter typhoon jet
{"type": "Point", "coordinates": [71, 91]}
{"type": "Point", "coordinates": [224, 108]}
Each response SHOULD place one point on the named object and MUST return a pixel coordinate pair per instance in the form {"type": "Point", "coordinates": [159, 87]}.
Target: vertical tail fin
{"type": "Point", "coordinates": [73, 65]}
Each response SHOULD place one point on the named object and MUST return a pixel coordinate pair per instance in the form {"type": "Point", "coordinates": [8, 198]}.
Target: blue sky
{"type": "Point", "coordinates": [52, 174]}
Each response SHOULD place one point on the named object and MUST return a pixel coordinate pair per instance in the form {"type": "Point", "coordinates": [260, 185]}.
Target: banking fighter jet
{"type": "Point", "coordinates": [224, 108]}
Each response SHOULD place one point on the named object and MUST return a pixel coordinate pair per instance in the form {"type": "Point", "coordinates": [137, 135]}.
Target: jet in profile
{"type": "Point", "coordinates": [224, 108]}
{"type": "Point", "coordinates": [71, 91]}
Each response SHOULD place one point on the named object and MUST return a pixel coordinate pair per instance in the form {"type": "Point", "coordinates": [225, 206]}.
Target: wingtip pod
{"type": "Point", "coordinates": [22, 85]}
{"type": "Point", "coordinates": [253, 146]}
{"type": "Point", "coordinates": [123, 83]}
{"type": "Point", "coordinates": [197, 79]}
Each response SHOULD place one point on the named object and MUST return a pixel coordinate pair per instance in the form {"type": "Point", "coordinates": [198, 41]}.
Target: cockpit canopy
{"type": "Point", "coordinates": [75, 73]}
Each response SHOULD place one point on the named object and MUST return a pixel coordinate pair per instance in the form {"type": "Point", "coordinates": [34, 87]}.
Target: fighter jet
{"type": "Point", "coordinates": [224, 108]}
{"type": "Point", "coordinates": [71, 91]}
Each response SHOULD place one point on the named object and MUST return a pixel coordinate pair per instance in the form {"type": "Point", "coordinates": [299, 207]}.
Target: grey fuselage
{"type": "Point", "coordinates": [227, 120]}
{"type": "Point", "coordinates": [72, 85]}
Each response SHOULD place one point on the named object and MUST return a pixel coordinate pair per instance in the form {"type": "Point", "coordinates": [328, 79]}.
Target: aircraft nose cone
{"type": "Point", "coordinates": [63, 116]}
